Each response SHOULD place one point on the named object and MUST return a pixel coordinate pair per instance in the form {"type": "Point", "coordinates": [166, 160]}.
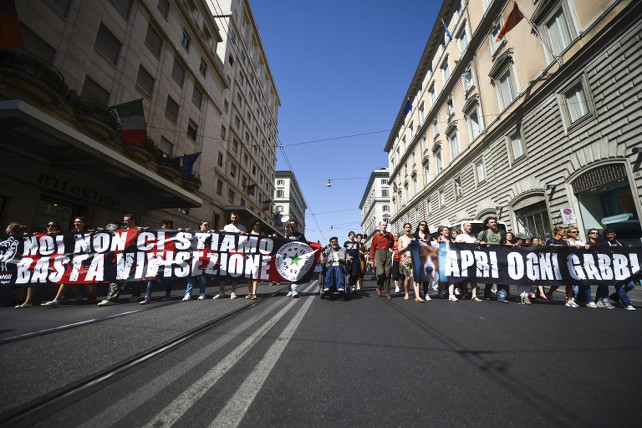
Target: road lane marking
{"type": "Point", "coordinates": [178, 407]}
{"type": "Point", "coordinates": [237, 405]}
{"type": "Point", "coordinates": [129, 403]}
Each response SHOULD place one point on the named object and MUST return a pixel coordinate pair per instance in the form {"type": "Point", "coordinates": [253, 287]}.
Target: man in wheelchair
{"type": "Point", "coordinates": [334, 261]}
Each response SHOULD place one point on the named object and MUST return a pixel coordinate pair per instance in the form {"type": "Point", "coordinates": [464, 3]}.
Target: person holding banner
{"type": "Point", "coordinates": [492, 235]}
{"type": "Point", "coordinates": [422, 234]}
{"type": "Point", "coordinates": [352, 249]}
{"type": "Point", "coordinates": [583, 292]}
{"type": "Point", "coordinates": [362, 261]}
{"type": "Point", "coordinates": [253, 284]}
{"type": "Point", "coordinates": [79, 226]}
{"type": "Point", "coordinates": [559, 240]}
{"type": "Point", "coordinates": [444, 236]}
{"type": "Point", "coordinates": [381, 258]}
{"type": "Point", "coordinates": [203, 227]}
{"type": "Point", "coordinates": [466, 238]}
{"type": "Point", "coordinates": [395, 273]}
{"type": "Point", "coordinates": [602, 292]}
{"type": "Point", "coordinates": [165, 224]}
{"type": "Point", "coordinates": [622, 289]}
{"type": "Point", "coordinates": [234, 227]}
{"type": "Point", "coordinates": [405, 263]}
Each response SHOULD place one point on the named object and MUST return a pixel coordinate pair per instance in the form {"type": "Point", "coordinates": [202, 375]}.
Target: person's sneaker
{"type": "Point", "coordinates": [607, 303]}
{"type": "Point", "coordinates": [427, 297]}
{"type": "Point", "coordinates": [571, 304]}
{"type": "Point", "coordinates": [187, 298]}
{"type": "Point", "coordinates": [397, 290]}
{"type": "Point", "coordinates": [476, 299]}
{"type": "Point", "coordinates": [325, 290]}
{"type": "Point", "coordinates": [134, 299]}
{"type": "Point", "coordinates": [166, 297]}
{"type": "Point", "coordinates": [600, 303]}
{"type": "Point", "coordinates": [502, 300]}
{"type": "Point", "coordinates": [452, 298]}
{"type": "Point", "coordinates": [591, 305]}
{"type": "Point", "coordinates": [51, 304]}
{"type": "Point", "coordinates": [290, 292]}
{"type": "Point", "coordinates": [106, 303]}
{"type": "Point", "coordinates": [457, 293]}
{"type": "Point", "coordinates": [233, 295]}
{"type": "Point", "coordinates": [341, 290]}
{"type": "Point", "coordinates": [145, 301]}
{"type": "Point", "coordinates": [295, 294]}
{"type": "Point", "coordinates": [218, 296]}
{"type": "Point", "coordinates": [629, 308]}
{"type": "Point", "coordinates": [435, 286]}
{"type": "Point", "coordinates": [201, 296]}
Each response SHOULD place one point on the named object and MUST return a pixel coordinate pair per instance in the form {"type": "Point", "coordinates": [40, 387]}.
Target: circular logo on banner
{"type": "Point", "coordinates": [293, 260]}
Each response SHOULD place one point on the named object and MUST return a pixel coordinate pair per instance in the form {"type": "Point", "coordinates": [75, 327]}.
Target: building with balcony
{"type": "Point", "coordinates": [526, 128]}
{"type": "Point", "coordinates": [375, 204]}
{"type": "Point", "coordinates": [63, 153]}
{"type": "Point", "coordinates": [288, 199]}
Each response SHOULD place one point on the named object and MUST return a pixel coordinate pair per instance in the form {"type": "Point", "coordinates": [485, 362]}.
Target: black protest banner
{"type": "Point", "coordinates": [132, 254]}
{"type": "Point", "coordinates": [526, 265]}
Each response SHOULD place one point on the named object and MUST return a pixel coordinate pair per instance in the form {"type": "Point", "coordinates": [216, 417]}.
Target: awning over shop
{"type": "Point", "coordinates": [29, 135]}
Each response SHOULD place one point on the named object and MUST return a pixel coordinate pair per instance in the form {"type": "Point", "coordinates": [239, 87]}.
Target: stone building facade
{"type": "Point", "coordinates": [375, 203]}
{"type": "Point", "coordinates": [203, 91]}
{"type": "Point", "coordinates": [288, 200]}
{"type": "Point", "coordinates": [530, 129]}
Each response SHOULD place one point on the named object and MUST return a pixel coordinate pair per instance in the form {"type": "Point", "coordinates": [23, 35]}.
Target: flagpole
{"type": "Point", "coordinates": [538, 35]}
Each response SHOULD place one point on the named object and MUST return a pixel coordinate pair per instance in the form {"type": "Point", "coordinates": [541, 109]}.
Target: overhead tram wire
{"type": "Point", "coordinates": [287, 161]}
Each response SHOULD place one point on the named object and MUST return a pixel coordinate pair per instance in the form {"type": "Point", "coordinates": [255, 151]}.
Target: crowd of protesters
{"type": "Point", "coordinates": [388, 258]}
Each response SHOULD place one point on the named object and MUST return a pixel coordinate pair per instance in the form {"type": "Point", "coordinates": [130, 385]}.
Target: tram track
{"type": "Point", "coordinates": [42, 407]}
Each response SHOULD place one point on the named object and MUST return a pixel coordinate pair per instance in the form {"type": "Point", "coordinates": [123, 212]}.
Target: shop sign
{"type": "Point", "coordinates": [617, 218]}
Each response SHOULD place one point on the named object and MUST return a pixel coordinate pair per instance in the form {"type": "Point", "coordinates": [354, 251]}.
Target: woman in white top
{"type": "Point", "coordinates": [582, 292]}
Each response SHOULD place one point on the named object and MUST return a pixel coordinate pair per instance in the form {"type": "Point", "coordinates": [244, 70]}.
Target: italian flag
{"type": "Point", "coordinates": [132, 122]}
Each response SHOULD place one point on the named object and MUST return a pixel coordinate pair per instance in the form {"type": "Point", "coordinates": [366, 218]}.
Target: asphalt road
{"type": "Point", "coordinates": [313, 362]}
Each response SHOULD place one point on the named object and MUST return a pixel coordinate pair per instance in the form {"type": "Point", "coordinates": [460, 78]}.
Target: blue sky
{"type": "Point", "coordinates": [341, 68]}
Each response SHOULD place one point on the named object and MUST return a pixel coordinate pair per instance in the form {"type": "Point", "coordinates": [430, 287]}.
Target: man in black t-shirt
{"type": "Point", "coordinates": [354, 265]}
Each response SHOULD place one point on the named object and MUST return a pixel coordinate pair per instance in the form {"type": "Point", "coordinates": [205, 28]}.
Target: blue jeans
{"type": "Point", "coordinates": [192, 280]}
{"type": "Point", "coordinates": [621, 290]}
{"type": "Point", "coordinates": [168, 286]}
{"type": "Point", "coordinates": [335, 276]}
{"type": "Point", "coordinates": [583, 293]}
{"type": "Point", "coordinates": [501, 291]}
{"type": "Point", "coordinates": [602, 292]}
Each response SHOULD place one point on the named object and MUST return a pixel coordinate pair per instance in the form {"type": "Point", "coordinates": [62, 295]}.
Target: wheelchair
{"type": "Point", "coordinates": [333, 292]}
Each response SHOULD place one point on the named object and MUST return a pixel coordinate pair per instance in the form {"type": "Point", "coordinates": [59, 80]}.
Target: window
{"type": "Point", "coordinates": [280, 193]}
{"type": "Point", "coordinates": [153, 41]}
{"type": "Point", "coordinates": [415, 185]}
{"type": "Point", "coordinates": [219, 187]}
{"type": "Point", "coordinates": [414, 159]}
{"type": "Point", "coordinates": [494, 46]}
{"type": "Point", "coordinates": [412, 130]}
{"type": "Point", "coordinates": [235, 145]}
{"type": "Point", "coordinates": [226, 106]}
{"type": "Point", "coordinates": [424, 143]}
{"type": "Point", "coordinates": [559, 31]}
{"type": "Point", "coordinates": [435, 128]}
{"type": "Point", "coordinates": [422, 113]}
{"type": "Point", "coordinates": [474, 124]}
{"type": "Point", "coordinates": [123, 6]}
{"type": "Point", "coordinates": [192, 130]}
{"type": "Point", "coordinates": [505, 88]}
{"type": "Point", "coordinates": [480, 174]}
{"type": "Point", "coordinates": [107, 44]}
{"type": "Point", "coordinates": [442, 198]}
{"type": "Point", "coordinates": [432, 94]}
{"type": "Point", "coordinates": [230, 197]}
{"type": "Point", "coordinates": [454, 145]}
{"type": "Point", "coordinates": [384, 193]}
{"type": "Point", "coordinates": [426, 174]}
{"type": "Point", "coordinates": [438, 161]}
{"type": "Point", "coordinates": [384, 181]}
{"type": "Point", "coordinates": [171, 109]}
{"type": "Point", "coordinates": [163, 6]}
{"type": "Point", "coordinates": [165, 147]}
{"type": "Point", "coordinates": [94, 91]}
{"type": "Point", "coordinates": [429, 206]}
{"type": "Point", "coordinates": [185, 40]}
{"type": "Point", "coordinates": [280, 182]}
{"type": "Point", "coordinates": [203, 67]}
{"type": "Point", "coordinates": [576, 102]}
{"type": "Point", "coordinates": [145, 81]}
{"type": "Point", "coordinates": [407, 193]}
{"type": "Point", "coordinates": [178, 72]}
{"type": "Point", "coordinates": [385, 208]}
{"type": "Point", "coordinates": [233, 171]}
{"type": "Point", "coordinates": [517, 146]}
{"type": "Point", "coordinates": [459, 190]}
{"type": "Point", "coordinates": [450, 107]}
{"type": "Point", "coordinates": [462, 40]}
{"type": "Point", "coordinates": [467, 80]}
{"type": "Point", "coordinates": [445, 70]}
{"type": "Point", "coordinates": [197, 97]}
{"type": "Point", "coordinates": [219, 160]}
{"type": "Point", "coordinates": [223, 132]}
